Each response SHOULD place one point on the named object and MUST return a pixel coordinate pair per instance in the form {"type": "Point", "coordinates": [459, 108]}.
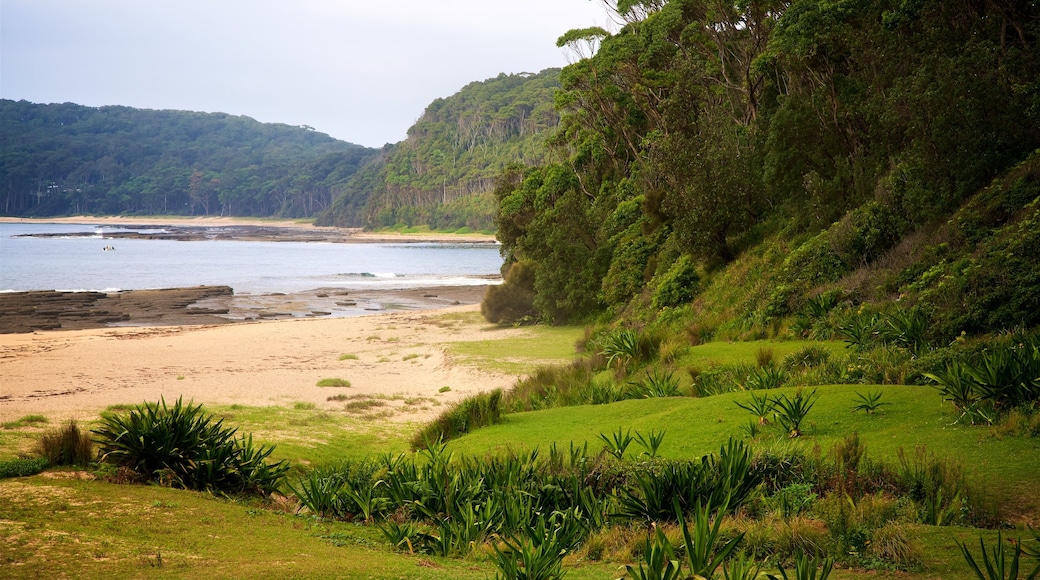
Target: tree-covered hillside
{"type": "Point", "coordinates": [442, 175]}
{"type": "Point", "coordinates": [738, 159]}
{"type": "Point", "coordinates": [69, 159]}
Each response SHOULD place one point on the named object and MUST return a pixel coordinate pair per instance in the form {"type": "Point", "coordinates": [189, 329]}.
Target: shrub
{"type": "Point", "coordinates": [654, 384]}
{"type": "Point", "coordinates": [512, 301]}
{"type": "Point", "coordinates": [894, 543]}
{"type": "Point", "coordinates": [864, 234]}
{"type": "Point", "coordinates": [676, 286]}
{"type": "Point", "coordinates": [806, 357]}
{"type": "Point", "coordinates": [182, 446]}
{"type": "Point", "coordinates": [22, 467]}
{"type": "Point", "coordinates": [66, 446]}
{"type": "Point", "coordinates": [1005, 377]}
{"type": "Point", "coordinates": [333, 491]}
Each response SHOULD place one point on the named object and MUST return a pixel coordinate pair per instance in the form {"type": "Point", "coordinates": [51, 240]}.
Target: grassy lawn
{"type": "Point", "coordinates": [696, 427]}
{"type": "Point", "coordinates": [539, 345]}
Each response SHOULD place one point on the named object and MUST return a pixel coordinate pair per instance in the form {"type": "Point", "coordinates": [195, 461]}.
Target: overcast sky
{"type": "Point", "coordinates": [361, 71]}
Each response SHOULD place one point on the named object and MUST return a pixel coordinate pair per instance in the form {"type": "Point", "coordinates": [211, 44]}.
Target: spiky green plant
{"type": "Point", "coordinates": [790, 412]}
{"type": "Point", "coordinates": [659, 562]}
{"type": "Point", "coordinates": [621, 348]}
{"type": "Point", "coordinates": [766, 377]}
{"type": "Point", "coordinates": [650, 443]}
{"type": "Point", "coordinates": [703, 552]}
{"type": "Point", "coordinates": [741, 568]}
{"type": "Point", "coordinates": [181, 445]}
{"type": "Point", "coordinates": [655, 384]}
{"type": "Point", "coordinates": [998, 568]}
{"type": "Point", "coordinates": [806, 567]}
{"type": "Point", "coordinates": [761, 406]}
{"type": "Point", "coordinates": [617, 442]}
{"type": "Point", "coordinates": [868, 402]}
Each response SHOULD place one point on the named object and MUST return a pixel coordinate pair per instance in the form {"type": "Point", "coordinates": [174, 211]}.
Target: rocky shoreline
{"type": "Point", "coordinates": [22, 312]}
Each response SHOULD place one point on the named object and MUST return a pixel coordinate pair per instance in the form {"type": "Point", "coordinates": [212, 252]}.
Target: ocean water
{"type": "Point", "coordinates": [80, 263]}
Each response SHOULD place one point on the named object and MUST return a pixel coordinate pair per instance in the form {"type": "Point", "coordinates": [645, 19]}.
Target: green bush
{"type": "Point", "coordinates": [22, 467]}
{"type": "Point", "coordinates": [864, 234]}
{"type": "Point", "coordinates": [182, 446]}
{"type": "Point", "coordinates": [678, 285]}
{"type": "Point", "coordinates": [67, 445]}
{"type": "Point", "coordinates": [513, 300]}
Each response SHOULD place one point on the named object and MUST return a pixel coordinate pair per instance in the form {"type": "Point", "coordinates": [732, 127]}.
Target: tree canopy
{"type": "Point", "coordinates": [69, 159]}
{"type": "Point", "coordinates": [442, 175]}
{"type": "Point", "coordinates": [701, 120]}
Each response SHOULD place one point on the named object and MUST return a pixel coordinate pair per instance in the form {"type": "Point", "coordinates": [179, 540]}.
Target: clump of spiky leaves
{"type": "Point", "coordinates": [791, 411]}
{"type": "Point", "coordinates": [806, 567]}
{"type": "Point", "coordinates": [998, 568]}
{"type": "Point", "coordinates": [1004, 377]}
{"type": "Point", "coordinates": [761, 406]}
{"type": "Point", "coordinates": [868, 402]}
{"type": "Point", "coordinates": [621, 348]}
{"type": "Point", "coordinates": [537, 551]}
{"type": "Point", "coordinates": [67, 445]}
{"type": "Point", "coordinates": [654, 384]}
{"type": "Point", "coordinates": [183, 446]}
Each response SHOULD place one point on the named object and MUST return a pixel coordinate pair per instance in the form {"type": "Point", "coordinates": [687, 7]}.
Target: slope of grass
{"type": "Point", "coordinates": [726, 353]}
{"type": "Point", "coordinates": [71, 528]}
{"type": "Point", "coordinates": [539, 345]}
{"type": "Point", "coordinates": [694, 427]}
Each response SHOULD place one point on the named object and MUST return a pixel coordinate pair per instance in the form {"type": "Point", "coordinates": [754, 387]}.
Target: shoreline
{"type": "Point", "coordinates": [234, 228]}
{"type": "Point", "coordinates": [48, 310]}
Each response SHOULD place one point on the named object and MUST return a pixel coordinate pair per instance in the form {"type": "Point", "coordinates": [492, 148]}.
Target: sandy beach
{"type": "Point", "coordinates": [78, 373]}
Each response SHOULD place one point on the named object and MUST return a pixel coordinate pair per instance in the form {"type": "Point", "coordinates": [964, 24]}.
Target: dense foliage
{"type": "Point", "coordinates": [69, 159]}
{"type": "Point", "coordinates": [183, 446]}
{"type": "Point", "coordinates": [833, 130]}
{"type": "Point", "coordinates": [443, 173]}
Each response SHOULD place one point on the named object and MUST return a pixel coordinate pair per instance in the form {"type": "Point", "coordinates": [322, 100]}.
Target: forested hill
{"type": "Point", "coordinates": [442, 175]}
{"type": "Point", "coordinates": [58, 159]}
{"type": "Point", "coordinates": [750, 161]}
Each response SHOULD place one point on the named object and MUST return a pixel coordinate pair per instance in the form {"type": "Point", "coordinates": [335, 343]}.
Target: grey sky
{"type": "Point", "coordinates": [362, 71]}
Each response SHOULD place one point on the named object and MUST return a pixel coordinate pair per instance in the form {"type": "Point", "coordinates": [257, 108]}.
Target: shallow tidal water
{"type": "Point", "coordinates": [76, 262]}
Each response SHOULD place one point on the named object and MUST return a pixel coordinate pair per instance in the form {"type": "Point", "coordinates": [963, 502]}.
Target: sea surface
{"type": "Point", "coordinates": [81, 263]}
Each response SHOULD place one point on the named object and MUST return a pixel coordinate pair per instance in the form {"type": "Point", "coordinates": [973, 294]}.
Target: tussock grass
{"type": "Point", "coordinates": [67, 445]}
{"type": "Point", "coordinates": [333, 382]}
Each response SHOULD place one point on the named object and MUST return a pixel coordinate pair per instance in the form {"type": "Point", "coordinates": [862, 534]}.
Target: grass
{"type": "Point", "coordinates": [348, 356]}
{"type": "Point", "coordinates": [727, 353]}
{"type": "Point", "coordinates": [1008, 466]}
{"type": "Point", "coordinates": [536, 346]}
{"type": "Point", "coordinates": [333, 383]}
{"type": "Point", "coordinates": [25, 421]}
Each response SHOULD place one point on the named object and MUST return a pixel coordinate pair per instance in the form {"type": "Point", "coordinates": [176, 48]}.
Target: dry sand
{"type": "Point", "coordinates": [78, 373]}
